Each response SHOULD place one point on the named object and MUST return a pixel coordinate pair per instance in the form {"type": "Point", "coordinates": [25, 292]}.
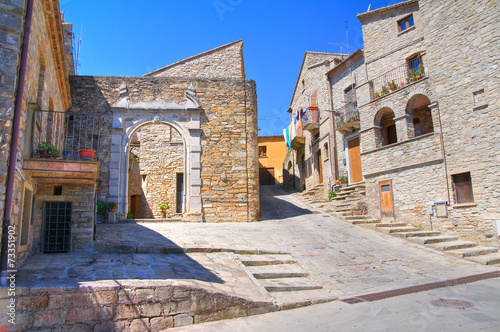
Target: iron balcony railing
{"type": "Point", "coordinates": [65, 135]}
{"type": "Point", "coordinates": [347, 114]}
{"type": "Point", "coordinates": [411, 71]}
{"type": "Point", "coordinates": [311, 116]}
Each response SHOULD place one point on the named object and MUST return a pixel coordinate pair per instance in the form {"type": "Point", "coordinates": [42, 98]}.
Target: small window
{"type": "Point", "coordinates": [462, 188]}
{"type": "Point", "coordinates": [262, 151]}
{"type": "Point", "coordinates": [405, 23]}
{"type": "Point", "coordinates": [326, 150]}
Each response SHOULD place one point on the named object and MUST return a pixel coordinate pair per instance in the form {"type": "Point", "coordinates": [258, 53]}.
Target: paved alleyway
{"type": "Point", "coordinates": [345, 259]}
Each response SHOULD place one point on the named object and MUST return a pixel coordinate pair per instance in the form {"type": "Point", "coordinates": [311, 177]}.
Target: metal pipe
{"type": "Point", "coordinates": [333, 152]}
{"type": "Point", "coordinates": [444, 153]}
{"type": "Point", "coordinates": [15, 141]}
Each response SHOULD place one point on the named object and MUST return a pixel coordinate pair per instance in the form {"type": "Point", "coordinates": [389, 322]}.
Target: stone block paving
{"type": "Point", "coordinates": [346, 260]}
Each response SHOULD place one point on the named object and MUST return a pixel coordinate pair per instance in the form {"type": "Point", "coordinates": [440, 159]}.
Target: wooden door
{"type": "Point", "coordinates": [355, 160]}
{"type": "Point", "coordinates": [320, 166]}
{"type": "Point", "coordinates": [266, 177]}
{"type": "Point", "coordinates": [386, 200]}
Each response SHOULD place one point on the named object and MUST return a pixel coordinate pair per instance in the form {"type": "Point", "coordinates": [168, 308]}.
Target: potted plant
{"type": "Point", "coordinates": [164, 206]}
{"type": "Point", "coordinates": [87, 154]}
{"type": "Point", "coordinates": [393, 86]}
{"type": "Point", "coordinates": [47, 150]}
{"type": "Point", "coordinates": [342, 179]}
{"type": "Point", "coordinates": [340, 122]}
{"type": "Point", "coordinates": [384, 91]}
{"type": "Point", "coordinates": [112, 207]}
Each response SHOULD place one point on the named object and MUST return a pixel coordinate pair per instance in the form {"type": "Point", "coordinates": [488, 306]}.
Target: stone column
{"type": "Point", "coordinates": [195, 213]}
{"type": "Point", "coordinates": [402, 126]}
{"type": "Point", "coordinates": [115, 179]}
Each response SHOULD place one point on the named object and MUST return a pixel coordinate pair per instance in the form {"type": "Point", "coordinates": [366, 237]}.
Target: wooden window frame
{"type": "Point", "coordinates": [406, 20]}
{"type": "Point", "coordinates": [262, 148]}
{"type": "Point", "coordinates": [462, 188]}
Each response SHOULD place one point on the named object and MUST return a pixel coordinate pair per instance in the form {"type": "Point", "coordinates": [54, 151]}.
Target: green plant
{"type": "Point", "coordinates": [343, 177]}
{"type": "Point", "coordinates": [377, 95]}
{"type": "Point", "coordinates": [354, 117]}
{"type": "Point", "coordinates": [112, 205]}
{"type": "Point", "coordinates": [130, 215]}
{"type": "Point", "coordinates": [101, 207]}
{"type": "Point", "coordinates": [49, 148]}
{"type": "Point", "coordinates": [333, 194]}
{"type": "Point", "coordinates": [340, 122]}
{"type": "Point", "coordinates": [164, 206]}
{"type": "Point", "coordinates": [393, 86]}
{"type": "Point", "coordinates": [384, 91]}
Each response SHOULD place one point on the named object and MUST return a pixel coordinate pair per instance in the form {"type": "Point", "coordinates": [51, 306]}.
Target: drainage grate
{"type": "Point", "coordinates": [453, 304]}
{"type": "Point", "coordinates": [57, 226]}
{"type": "Point", "coordinates": [421, 288]}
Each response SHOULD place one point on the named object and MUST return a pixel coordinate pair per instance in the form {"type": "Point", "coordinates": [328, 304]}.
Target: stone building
{"type": "Point", "coordinates": [310, 133]}
{"type": "Point", "coordinates": [429, 114]}
{"type": "Point", "coordinates": [67, 142]}
{"type": "Point", "coordinates": [208, 169]}
{"type": "Point", "coordinates": [272, 153]}
{"type": "Point", "coordinates": [343, 80]}
{"type": "Point", "coordinates": [47, 191]}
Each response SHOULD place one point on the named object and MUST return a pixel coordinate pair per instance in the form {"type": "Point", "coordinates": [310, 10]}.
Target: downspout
{"type": "Point", "coordinates": [15, 140]}
{"type": "Point", "coordinates": [444, 154]}
{"type": "Point", "coordinates": [333, 152]}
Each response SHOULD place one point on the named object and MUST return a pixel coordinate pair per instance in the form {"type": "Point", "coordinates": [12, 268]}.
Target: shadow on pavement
{"type": "Point", "coordinates": [123, 251]}
{"type": "Point", "coordinates": [274, 208]}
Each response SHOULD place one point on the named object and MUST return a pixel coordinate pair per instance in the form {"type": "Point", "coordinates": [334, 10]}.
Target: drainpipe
{"type": "Point", "coordinates": [436, 104]}
{"type": "Point", "coordinates": [15, 140]}
{"type": "Point", "coordinates": [333, 152]}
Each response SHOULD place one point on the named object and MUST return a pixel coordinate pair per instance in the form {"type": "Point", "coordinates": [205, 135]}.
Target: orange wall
{"type": "Point", "coordinates": [275, 154]}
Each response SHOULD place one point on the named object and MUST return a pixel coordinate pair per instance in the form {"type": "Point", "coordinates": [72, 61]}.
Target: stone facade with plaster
{"type": "Point", "coordinates": [312, 148]}
{"type": "Point", "coordinates": [444, 121]}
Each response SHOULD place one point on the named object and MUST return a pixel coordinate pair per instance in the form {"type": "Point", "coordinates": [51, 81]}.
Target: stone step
{"type": "Point", "coordinates": [298, 299]}
{"type": "Point", "coordinates": [364, 221]}
{"type": "Point", "coordinates": [453, 245]}
{"type": "Point", "coordinates": [289, 284]}
{"type": "Point", "coordinates": [262, 260]}
{"type": "Point", "coordinates": [489, 259]}
{"type": "Point", "coordinates": [433, 239]}
{"type": "Point", "coordinates": [277, 271]}
{"type": "Point", "coordinates": [393, 224]}
{"type": "Point", "coordinates": [474, 251]}
{"type": "Point", "coordinates": [390, 230]}
{"type": "Point", "coordinates": [416, 234]}
{"type": "Point", "coordinates": [145, 221]}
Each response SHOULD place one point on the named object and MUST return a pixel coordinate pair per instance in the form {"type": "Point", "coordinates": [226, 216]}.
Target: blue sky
{"type": "Point", "coordinates": [132, 38]}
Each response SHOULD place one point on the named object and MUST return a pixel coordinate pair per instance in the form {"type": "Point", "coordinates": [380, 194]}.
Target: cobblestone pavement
{"type": "Point", "coordinates": [346, 259]}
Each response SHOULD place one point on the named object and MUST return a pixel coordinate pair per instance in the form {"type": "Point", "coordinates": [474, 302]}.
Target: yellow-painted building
{"type": "Point", "coordinates": [272, 153]}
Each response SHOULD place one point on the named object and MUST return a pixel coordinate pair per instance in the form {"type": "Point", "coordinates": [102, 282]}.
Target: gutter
{"type": "Point", "coordinates": [14, 143]}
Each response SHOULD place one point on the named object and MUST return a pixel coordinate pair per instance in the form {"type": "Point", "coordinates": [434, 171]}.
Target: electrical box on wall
{"type": "Point", "coordinates": [440, 209]}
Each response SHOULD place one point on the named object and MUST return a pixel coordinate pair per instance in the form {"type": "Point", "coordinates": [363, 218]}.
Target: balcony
{"type": "Point", "coordinates": [310, 119]}
{"type": "Point", "coordinates": [397, 78]}
{"type": "Point", "coordinates": [64, 146]}
{"type": "Point", "coordinates": [298, 140]}
{"type": "Point", "coordinates": [347, 119]}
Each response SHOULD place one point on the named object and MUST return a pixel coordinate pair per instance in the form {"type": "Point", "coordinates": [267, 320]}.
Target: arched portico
{"type": "Point", "coordinates": [185, 118]}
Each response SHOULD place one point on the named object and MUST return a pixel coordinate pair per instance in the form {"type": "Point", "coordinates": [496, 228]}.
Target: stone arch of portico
{"type": "Point", "coordinates": [128, 120]}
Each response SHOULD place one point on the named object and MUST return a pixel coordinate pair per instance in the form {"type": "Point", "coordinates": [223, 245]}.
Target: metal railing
{"type": "Point", "coordinates": [396, 78]}
{"type": "Point", "coordinates": [347, 114]}
{"type": "Point", "coordinates": [65, 135]}
{"type": "Point", "coordinates": [310, 116]}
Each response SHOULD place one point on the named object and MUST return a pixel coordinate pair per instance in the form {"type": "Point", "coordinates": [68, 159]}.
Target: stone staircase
{"type": "Point", "coordinates": [349, 207]}
{"type": "Point", "coordinates": [289, 284]}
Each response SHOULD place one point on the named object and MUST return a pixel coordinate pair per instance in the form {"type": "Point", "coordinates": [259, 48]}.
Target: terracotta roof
{"type": "Point", "coordinates": [386, 11]}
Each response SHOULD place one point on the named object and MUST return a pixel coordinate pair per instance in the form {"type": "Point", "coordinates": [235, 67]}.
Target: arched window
{"type": "Point", "coordinates": [385, 132]}
{"type": "Point", "coordinates": [418, 109]}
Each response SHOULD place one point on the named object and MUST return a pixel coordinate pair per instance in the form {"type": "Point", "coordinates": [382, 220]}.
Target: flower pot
{"type": "Point", "coordinates": [341, 181]}
{"type": "Point", "coordinates": [47, 153]}
{"type": "Point", "coordinates": [112, 210]}
{"type": "Point", "coordinates": [87, 154]}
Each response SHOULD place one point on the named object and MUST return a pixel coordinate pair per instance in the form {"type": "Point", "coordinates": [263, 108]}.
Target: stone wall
{"type": "Point", "coordinates": [162, 158]}
{"type": "Point", "coordinates": [462, 104]}
{"type": "Point", "coordinates": [128, 308]}
{"type": "Point", "coordinates": [223, 61]}
{"type": "Point", "coordinates": [228, 134]}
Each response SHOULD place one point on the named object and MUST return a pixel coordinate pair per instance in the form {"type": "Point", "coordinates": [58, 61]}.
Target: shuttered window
{"type": "Point", "coordinates": [462, 188]}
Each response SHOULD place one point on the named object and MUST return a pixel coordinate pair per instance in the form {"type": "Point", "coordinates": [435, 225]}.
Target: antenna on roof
{"type": "Point", "coordinates": [347, 36]}
{"type": "Point", "coordinates": [368, 7]}
{"type": "Point", "coordinates": [336, 44]}
{"type": "Point", "coordinates": [77, 44]}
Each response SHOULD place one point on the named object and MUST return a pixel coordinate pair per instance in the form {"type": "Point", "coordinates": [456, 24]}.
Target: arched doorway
{"type": "Point", "coordinates": [156, 172]}
{"type": "Point", "coordinates": [385, 124]}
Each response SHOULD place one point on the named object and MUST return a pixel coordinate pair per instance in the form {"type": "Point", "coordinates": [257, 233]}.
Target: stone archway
{"type": "Point", "coordinates": [185, 118]}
